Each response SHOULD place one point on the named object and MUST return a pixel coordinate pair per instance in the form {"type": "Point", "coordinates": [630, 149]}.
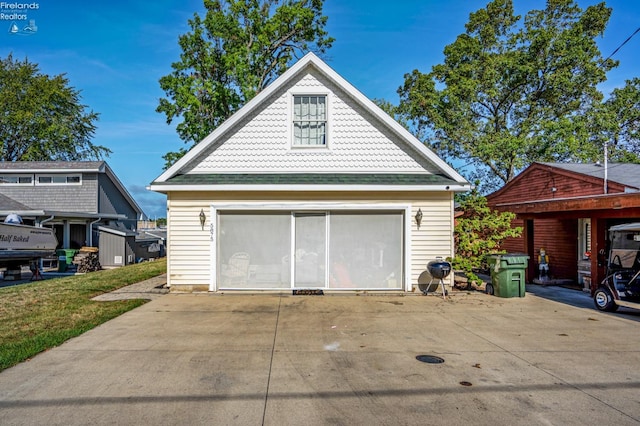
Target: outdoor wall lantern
{"type": "Point", "coordinates": [419, 218]}
{"type": "Point", "coordinates": [203, 218]}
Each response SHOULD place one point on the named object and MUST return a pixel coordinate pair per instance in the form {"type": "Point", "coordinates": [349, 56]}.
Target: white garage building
{"type": "Point", "coordinates": [309, 186]}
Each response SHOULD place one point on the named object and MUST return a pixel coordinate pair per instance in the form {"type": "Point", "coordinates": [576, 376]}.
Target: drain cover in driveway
{"type": "Point", "coordinates": [430, 359]}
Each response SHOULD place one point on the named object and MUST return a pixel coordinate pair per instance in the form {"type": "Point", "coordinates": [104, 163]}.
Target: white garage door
{"type": "Point", "coordinates": [330, 250]}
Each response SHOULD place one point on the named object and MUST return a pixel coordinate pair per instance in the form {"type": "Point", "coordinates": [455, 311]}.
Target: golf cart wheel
{"type": "Point", "coordinates": [488, 289]}
{"type": "Point", "coordinates": [604, 301]}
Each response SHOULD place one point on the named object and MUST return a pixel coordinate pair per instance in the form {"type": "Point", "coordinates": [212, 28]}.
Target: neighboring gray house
{"type": "Point", "coordinates": [73, 197]}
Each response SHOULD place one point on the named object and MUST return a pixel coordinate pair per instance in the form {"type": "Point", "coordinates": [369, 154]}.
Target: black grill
{"type": "Point", "coordinates": [439, 269]}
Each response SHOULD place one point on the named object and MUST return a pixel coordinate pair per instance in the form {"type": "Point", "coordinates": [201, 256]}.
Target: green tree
{"type": "Point", "coordinates": [618, 123]}
{"type": "Point", "coordinates": [230, 55]}
{"type": "Point", "coordinates": [394, 112]}
{"type": "Point", "coordinates": [513, 91]}
{"type": "Point", "coordinates": [478, 232]}
{"type": "Point", "coordinates": [42, 118]}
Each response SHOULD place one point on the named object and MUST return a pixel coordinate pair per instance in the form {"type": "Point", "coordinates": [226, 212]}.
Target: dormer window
{"type": "Point", "coordinates": [310, 120]}
{"type": "Point", "coordinates": [16, 180]}
{"type": "Point", "coordinates": [58, 180]}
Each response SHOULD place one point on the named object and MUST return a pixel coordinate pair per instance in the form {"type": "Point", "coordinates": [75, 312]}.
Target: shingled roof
{"type": "Point", "coordinates": [96, 166]}
{"type": "Point", "coordinates": [627, 174]}
{"type": "Point", "coordinates": [9, 204]}
{"type": "Point", "coordinates": [310, 179]}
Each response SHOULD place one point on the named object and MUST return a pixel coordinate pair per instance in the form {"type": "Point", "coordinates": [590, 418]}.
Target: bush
{"type": "Point", "coordinates": [478, 232]}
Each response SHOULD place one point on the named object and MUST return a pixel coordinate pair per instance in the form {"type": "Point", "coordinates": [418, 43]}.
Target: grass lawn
{"type": "Point", "coordinates": [41, 315]}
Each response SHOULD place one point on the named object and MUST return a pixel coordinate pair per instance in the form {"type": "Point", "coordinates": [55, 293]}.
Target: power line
{"type": "Point", "coordinates": [623, 43]}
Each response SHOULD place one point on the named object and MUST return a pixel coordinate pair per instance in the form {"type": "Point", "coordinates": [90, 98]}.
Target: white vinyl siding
{"type": "Point", "coordinates": [435, 236]}
{"type": "Point", "coordinates": [188, 246]}
{"type": "Point", "coordinates": [191, 265]}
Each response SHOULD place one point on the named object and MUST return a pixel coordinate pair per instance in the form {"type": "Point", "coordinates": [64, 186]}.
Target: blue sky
{"type": "Point", "coordinates": [115, 52]}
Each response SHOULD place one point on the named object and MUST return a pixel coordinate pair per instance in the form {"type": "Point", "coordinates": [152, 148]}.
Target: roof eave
{"type": "Point", "coordinates": [62, 214]}
{"type": "Point", "coordinates": [456, 187]}
{"type": "Point", "coordinates": [97, 167]}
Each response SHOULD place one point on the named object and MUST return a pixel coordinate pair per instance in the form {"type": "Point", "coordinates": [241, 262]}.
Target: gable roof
{"type": "Point", "coordinates": [67, 167]}
{"type": "Point", "coordinates": [178, 177]}
{"type": "Point", "coordinates": [627, 174]}
{"type": "Point", "coordinates": [539, 183]}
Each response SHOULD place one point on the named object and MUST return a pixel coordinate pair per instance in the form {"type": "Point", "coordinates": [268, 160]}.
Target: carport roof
{"type": "Point", "coordinates": [576, 206]}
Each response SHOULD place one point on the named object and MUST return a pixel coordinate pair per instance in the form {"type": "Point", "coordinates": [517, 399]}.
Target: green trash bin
{"type": "Point", "coordinates": [508, 274]}
{"type": "Point", "coordinates": [65, 258]}
{"type": "Point", "coordinates": [62, 260]}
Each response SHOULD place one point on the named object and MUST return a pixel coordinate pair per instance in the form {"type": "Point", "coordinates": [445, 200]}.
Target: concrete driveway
{"type": "Point", "coordinates": [339, 360]}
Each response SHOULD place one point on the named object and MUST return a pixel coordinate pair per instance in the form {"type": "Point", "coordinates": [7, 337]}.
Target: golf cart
{"type": "Point", "coordinates": [621, 287]}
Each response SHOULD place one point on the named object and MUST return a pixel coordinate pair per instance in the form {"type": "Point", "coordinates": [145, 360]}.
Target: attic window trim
{"type": "Point", "coordinates": [55, 179]}
{"type": "Point", "coordinates": [294, 143]}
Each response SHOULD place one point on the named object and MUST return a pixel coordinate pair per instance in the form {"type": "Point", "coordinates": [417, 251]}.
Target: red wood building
{"type": "Point", "coordinates": [567, 209]}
